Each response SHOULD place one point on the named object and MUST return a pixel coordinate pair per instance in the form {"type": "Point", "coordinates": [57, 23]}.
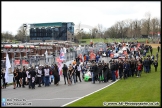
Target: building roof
{"type": "Point", "coordinates": [52, 24]}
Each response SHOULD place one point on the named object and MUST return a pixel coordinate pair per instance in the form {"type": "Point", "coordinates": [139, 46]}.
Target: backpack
{"type": "Point", "coordinates": [51, 72]}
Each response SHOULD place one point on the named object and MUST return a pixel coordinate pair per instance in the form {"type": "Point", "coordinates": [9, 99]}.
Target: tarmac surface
{"type": "Point", "coordinates": [51, 95]}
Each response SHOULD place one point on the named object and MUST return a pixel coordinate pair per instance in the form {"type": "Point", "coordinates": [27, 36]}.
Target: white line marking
{"type": "Point", "coordinates": [51, 99]}
{"type": "Point", "coordinates": [88, 94]}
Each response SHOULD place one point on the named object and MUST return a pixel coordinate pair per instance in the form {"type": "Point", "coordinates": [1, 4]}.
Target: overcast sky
{"type": "Point", "coordinates": [14, 14]}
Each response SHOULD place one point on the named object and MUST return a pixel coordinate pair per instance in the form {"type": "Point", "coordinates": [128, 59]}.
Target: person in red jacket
{"type": "Point", "coordinates": [139, 69]}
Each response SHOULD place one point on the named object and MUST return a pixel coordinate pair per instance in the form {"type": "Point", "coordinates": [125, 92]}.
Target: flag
{"type": "Point", "coordinates": [8, 65]}
{"type": "Point", "coordinates": [62, 56]}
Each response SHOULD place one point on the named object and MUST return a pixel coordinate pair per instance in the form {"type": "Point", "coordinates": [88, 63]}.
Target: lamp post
{"type": "Point", "coordinates": [24, 28]}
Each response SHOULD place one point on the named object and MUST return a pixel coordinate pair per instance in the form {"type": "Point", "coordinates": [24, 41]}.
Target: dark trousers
{"type": "Point", "coordinates": [39, 81]}
{"type": "Point", "coordinates": [78, 75]}
{"type": "Point", "coordinates": [120, 73]}
{"type": "Point", "coordinates": [107, 77]}
{"type": "Point", "coordinates": [56, 79]}
{"type": "Point", "coordinates": [94, 77]}
{"type": "Point", "coordinates": [4, 83]}
{"type": "Point", "coordinates": [132, 72]}
{"type": "Point", "coordinates": [125, 73]}
{"type": "Point", "coordinates": [23, 84]}
{"type": "Point", "coordinates": [30, 82]}
{"type": "Point", "coordinates": [18, 82]}
{"type": "Point", "coordinates": [155, 68]}
{"type": "Point", "coordinates": [65, 78]}
{"type": "Point", "coordinates": [42, 79]}
{"type": "Point", "coordinates": [113, 76]}
{"type": "Point", "coordinates": [46, 80]}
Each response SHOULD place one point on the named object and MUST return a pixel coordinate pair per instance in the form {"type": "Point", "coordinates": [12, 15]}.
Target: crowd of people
{"type": "Point", "coordinates": [132, 65]}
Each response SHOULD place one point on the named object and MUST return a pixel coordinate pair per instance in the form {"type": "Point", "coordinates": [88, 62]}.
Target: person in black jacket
{"type": "Point", "coordinates": [95, 72]}
{"type": "Point", "coordinates": [100, 69]}
{"type": "Point", "coordinates": [112, 67]}
{"type": "Point", "coordinates": [155, 65]}
{"type": "Point", "coordinates": [65, 69]}
{"type": "Point", "coordinates": [18, 77]}
{"type": "Point", "coordinates": [42, 76]}
{"type": "Point", "coordinates": [56, 75]}
{"type": "Point", "coordinates": [32, 73]}
{"type": "Point", "coordinates": [24, 76]}
{"type": "Point", "coordinates": [3, 79]}
{"type": "Point", "coordinates": [105, 72]}
{"type": "Point", "coordinates": [120, 69]}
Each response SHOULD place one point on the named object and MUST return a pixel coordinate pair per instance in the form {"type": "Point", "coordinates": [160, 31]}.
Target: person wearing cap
{"type": "Point", "coordinates": [155, 65]}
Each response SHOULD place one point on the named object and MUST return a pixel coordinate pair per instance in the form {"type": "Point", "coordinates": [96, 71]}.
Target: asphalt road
{"type": "Point", "coordinates": [52, 95]}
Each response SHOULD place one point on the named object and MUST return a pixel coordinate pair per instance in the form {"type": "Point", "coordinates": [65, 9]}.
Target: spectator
{"type": "Point", "coordinates": [158, 49]}
{"type": "Point", "coordinates": [155, 65]}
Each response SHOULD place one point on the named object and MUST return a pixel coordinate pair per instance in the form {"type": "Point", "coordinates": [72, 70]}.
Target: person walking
{"type": "Point", "coordinates": [158, 48]}
{"type": "Point", "coordinates": [24, 77]}
{"type": "Point", "coordinates": [157, 56]}
{"type": "Point", "coordinates": [46, 74]}
{"type": "Point", "coordinates": [15, 75]}
{"type": "Point", "coordinates": [56, 75]}
{"type": "Point", "coordinates": [71, 71]}
{"type": "Point", "coordinates": [18, 77]}
{"type": "Point", "coordinates": [139, 69]}
{"type": "Point", "coordinates": [28, 77]}
{"type": "Point", "coordinates": [78, 70]}
{"type": "Point", "coordinates": [39, 74]}
{"type": "Point", "coordinates": [4, 80]}
{"type": "Point", "coordinates": [32, 73]}
{"type": "Point", "coordinates": [155, 65]}
{"type": "Point", "coordinates": [65, 70]}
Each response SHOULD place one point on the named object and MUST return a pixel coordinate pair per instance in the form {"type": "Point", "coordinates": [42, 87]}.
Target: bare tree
{"type": "Point", "coordinates": [154, 26]}
{"type": "Point", "coordinates": [146, 24]}
{"type": "Point", "coordinates": [79, 31]}
{"type": "Point", "coordinates": [100, 30]}
{"type": "Point", "coordinates": [22, 34]}
{"type": "Point", "coordinates": [6, 36]}
{"type": "Point", "coordinates": [94, 32]}
{"type": "Point", "coordinates": [136, 28]}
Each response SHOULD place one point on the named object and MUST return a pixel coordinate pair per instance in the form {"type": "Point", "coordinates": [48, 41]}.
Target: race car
{"type": "Point", "coordinates": [87, 76]}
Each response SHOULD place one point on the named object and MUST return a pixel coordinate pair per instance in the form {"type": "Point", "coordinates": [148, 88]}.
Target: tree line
{"type": "Point", "coordinates": [121, 29]}
{"type": "Point", "coordinates": [126, 29]}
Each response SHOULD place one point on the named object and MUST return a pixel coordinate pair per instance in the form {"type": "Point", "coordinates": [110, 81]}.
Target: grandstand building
{"type": "Point", "coordinates": [47, 32]}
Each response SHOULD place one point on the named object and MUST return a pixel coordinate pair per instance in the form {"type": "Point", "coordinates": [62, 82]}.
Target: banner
{"type": "Point", "coordinates": [62, 56]}
{"type": "Point", "coordinates": [59, 64]}
{"type": "Point", "coordinates": [24, 62]}
{"type": "Point", "coordinates": [17, 62]}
